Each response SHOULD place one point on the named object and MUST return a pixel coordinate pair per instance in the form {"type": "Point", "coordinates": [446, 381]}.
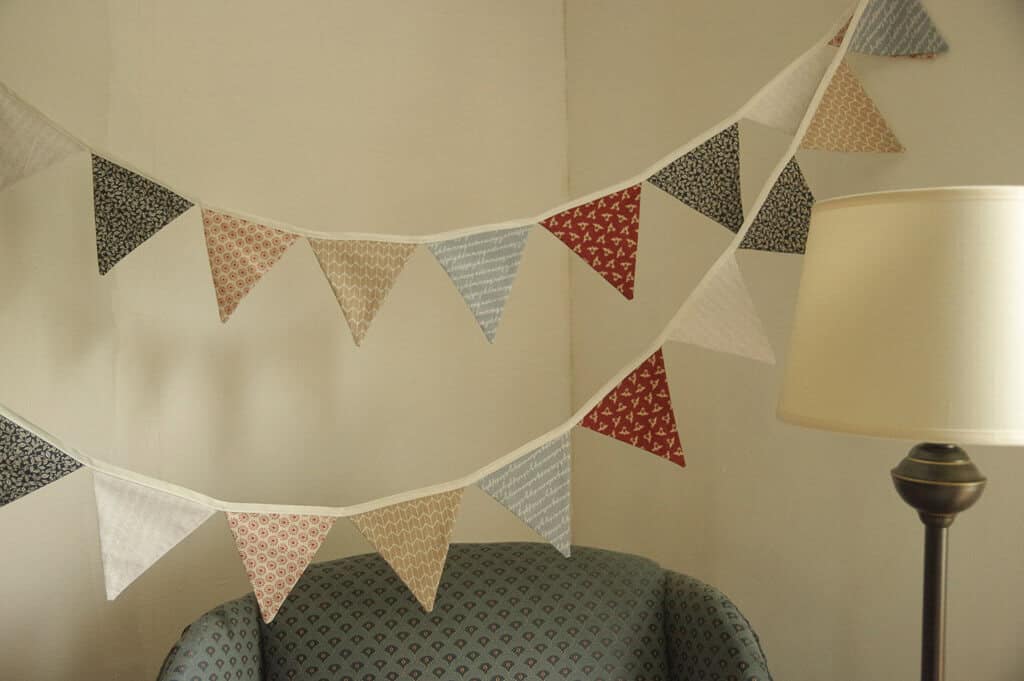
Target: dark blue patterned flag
{"type": "Point", "coordinates": [707, 178]}
{"type": "Point", "coordinates": [28, 462]}
{"type": "Point", "coordinates": [129, 209]}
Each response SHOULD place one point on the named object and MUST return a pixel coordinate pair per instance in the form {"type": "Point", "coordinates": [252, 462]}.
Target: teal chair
{"type": "Point", "coordinates": [509, 612]}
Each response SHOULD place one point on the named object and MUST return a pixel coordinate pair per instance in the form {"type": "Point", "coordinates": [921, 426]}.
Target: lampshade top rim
{"type": "Point", "coordinates": [988, 192]}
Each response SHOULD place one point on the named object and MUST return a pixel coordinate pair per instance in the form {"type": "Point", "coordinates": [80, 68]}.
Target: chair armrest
{"type": "Point", "coordinates": [707, 636]}
{"type": "Point", "coordinates": [224, 642]}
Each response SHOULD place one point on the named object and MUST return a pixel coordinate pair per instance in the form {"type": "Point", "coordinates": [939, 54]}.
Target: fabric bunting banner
{"type": "Point", "coordinates": [361, 274]}
{"type": "Point", "coordinates": [848, 120]}
{"type": "Point", "coordinates": [782, 222]}
{"type": "Point", "coordinates": [276, 548]}
{"type": "Point", "coordinates": [895, 28]}
{"type": "Point", "coordinates": [784, 103]}
{"type": "Point", "coordinates": [31, 143]}
{"type": "Point", "coordinates": [536, 489]}
{"type": "Point", "coordinates": [483, 268]}
{"type": "Point", "coordinates": [722, 317]}
{"type": "Point", "coordinates": [413, 538]}
{"type": "Point", "coordinates": [605, 233]}
{"type": "Point", "coordinates": [28, 463]}
{"type": "Point", "coordinates": [707, 178]}
{"type": "Point", "coordinates": [129, 209]}
{"type": "Point", "coordinates": [138, 525]}
{"type": "Point", "coordinates": [639, 412]}
{"type": "Point", "coordinates": [240, 253]}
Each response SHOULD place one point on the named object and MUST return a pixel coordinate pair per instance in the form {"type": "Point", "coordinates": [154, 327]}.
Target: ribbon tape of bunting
{"type": "Point", "coordinates": [817, 99]}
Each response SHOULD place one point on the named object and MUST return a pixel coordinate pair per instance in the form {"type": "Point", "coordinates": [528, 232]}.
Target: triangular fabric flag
{"type": "Point", "coordinates": [276, 548]}
{"type": "Point", "coordinates": [639, 412]}
{"type": "Point", "coordinates": [413, 538]}
{"type": "Point", "coordinates": [707, 178]}
{"type": "Point", "coordinates": [536, 489]}
{"type": "Point", "coordinates": [837, 39]}
{"type": "Point", "coordinates": [783, 104]}
{"type": "Point", "coordinates": [128, 209]}
{"type": "Point", "coordinates": [782, 222]}
{"type": "Point", "coordinates": [28, 462]}
{"type": "Point", "coordinates": [138, 525]}
{"type": "Point", "coordinates": [722, 317]}
{"type": "Point", "coordinates": [483, 267]}
{"type": "Point", "coordinates": [240, 252]}
{"type": "Point", "coordinates": [848, 120]}
{"type": "Point", "coordinates": [361, 274]}
{"type": "Point", "coordinates": [604, 233]}
{"type": "Point", "coordinates": [28, 141]}
{"type": "Point", "coordinates": [897, 28]}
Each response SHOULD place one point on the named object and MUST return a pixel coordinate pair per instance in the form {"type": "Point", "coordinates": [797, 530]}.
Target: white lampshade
{"type": "Point", "coordinates": [910, 317]}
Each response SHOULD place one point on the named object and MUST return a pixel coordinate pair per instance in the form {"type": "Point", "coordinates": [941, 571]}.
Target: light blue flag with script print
{"type": "Point", "coordinates": [897, 28]}
{"type": "Point", "coordinates": [483, 267]}
{"type": "Point", "coordinates": [536, 489]}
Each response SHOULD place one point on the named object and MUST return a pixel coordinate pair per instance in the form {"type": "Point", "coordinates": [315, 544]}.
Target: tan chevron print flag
{"type": "Point", "coordinates": [241, 252]}
{"type": "Point", "coordinates": [847, 119]}
{"type": "Point", "coordinates": [276, 548]}
{"type": "Point", "coordinates": [413, 538]}
{"type": "Point", "coordinates": [361, 274]}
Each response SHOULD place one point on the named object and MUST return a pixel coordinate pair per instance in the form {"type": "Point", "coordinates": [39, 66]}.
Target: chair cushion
{"type": "Point", "coordinates": [503, 611]}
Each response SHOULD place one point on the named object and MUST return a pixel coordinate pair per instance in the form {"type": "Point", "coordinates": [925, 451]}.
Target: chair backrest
{"type": "Point", "coordinates": [511, 611]}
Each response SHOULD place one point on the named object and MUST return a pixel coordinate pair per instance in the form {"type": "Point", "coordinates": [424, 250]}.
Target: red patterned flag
{"type": "Point", "coordinates": [639, 412]}
{"type": "Point", "coordinates": [604, 233]}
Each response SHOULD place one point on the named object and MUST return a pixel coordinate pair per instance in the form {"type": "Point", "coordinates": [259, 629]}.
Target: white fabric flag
{"type": "Point", "coordinates": [722, 317]}
{"type": "Point", "coordinates": [28, 141]}
{"type": "Point", "coordinates": [138, 525]}
{"type": "Point", "coordinates": [784, 102]}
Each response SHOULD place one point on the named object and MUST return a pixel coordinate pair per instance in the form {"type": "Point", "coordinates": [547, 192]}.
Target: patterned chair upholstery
{"type": "Point", "coordinates": [512, 611]}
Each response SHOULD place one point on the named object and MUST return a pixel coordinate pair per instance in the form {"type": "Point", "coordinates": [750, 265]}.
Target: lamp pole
{"type": "Point", "coordinates": [938, 481]}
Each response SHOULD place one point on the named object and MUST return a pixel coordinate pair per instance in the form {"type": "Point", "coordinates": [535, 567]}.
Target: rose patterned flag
{"type": "Point", "coordinates": [28, 462]}
{"type": "Point", "coordinates": [361, 274]}
{"type": "Point", "coordinates": [128, 210]}
{"type": "Point", "coordinates": [28, 141]}
{"type": "Point", "coordinates": [639, 412]}
{"type": "Point", "coordinates": [276, 548]}
{"type": "Point", "coordinates": [897, 28]}
{"type": "Point", "coordinates": [722, 317]}
{"type": "Point", "coordinates": [138, 525]}
{"type": "Point", "coordinates": [784, 102]}
{"type": "Point", "coordinates": [483, 267]}
{"type": "Point", "coordinates": [604, 233]}
{"type": "Point", "coordinates": [848, 120]}
{"type": "Point", "coordinates": [707, 178]}
{"type": "Point", "coordinates": [782, 222]}
{"type": "Point", "coordinates": [240, 253]}
{"type": "Point", "coordinates": [413, 538]}
{"type": "Point", "coordinates": [536, 489]}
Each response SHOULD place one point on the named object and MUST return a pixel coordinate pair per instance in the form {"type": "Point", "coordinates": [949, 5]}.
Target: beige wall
{"type": "Point", "coordinates": [802, 528]}
{"type": "Point", "coordinates": [388, 116]}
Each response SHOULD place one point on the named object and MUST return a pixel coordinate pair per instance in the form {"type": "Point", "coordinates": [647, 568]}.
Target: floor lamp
{"type": "Point", "coordinates": [910, 325]}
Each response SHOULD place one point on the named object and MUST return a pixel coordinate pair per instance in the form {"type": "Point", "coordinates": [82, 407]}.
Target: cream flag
{"type": "Point", "coordinates": [722, 317]}
{"type": "Point", "coordinates": [784, 102]}
{"type": "Point", "coordinates": [413, 538]}
{"type": "Point", "coordinates": [138, 525]}
{"type": "Point", "coordinates": [361, 274]}
{"type": "Point", "coordinates": [28, 141]}
{"type": "Point", "coordinates": [848, 120]}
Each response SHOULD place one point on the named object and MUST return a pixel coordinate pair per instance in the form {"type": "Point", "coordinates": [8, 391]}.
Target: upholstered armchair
{"type": "Point", "coordinates": [513, 611]}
